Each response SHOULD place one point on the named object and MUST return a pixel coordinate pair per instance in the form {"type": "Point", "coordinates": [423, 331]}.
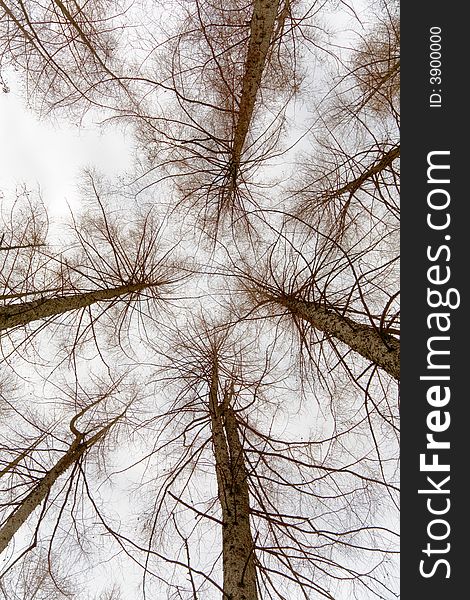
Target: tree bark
{"type": "Point", "coordinates": [13, 315]}
{"type": "Point", "coordinates": [237, 541]}
{"type": "Point", "coordinates": [352, 186]}
{"type": "Point", "coordinates": [261, 31]}
{"type": "Point", "coordinates": [380, 348]}
{"type": "Point", "coordinates": [42, 489]}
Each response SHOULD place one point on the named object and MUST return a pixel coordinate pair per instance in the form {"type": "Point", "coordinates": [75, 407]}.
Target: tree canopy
{"type": "Point", "coordinates": [200, 367]}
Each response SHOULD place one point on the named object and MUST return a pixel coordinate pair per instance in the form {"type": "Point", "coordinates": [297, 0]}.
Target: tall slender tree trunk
{"type": "Point", "coordinates": [380, 348]}
{"type": "Point", "coordinates": [237, 540]}
{"type": "Point", "coordinates": [22, 313]}
{"type": "Point", "coordinates": [261, 32]}
{"type": "Point", "coordinates": [369, 173]}
{"type": "Point", "coordinates": [36, 496]}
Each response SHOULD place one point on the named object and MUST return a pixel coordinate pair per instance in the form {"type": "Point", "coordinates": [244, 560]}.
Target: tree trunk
{"type": "Point", "coordinates": [352, 186]}
{"type": "Point", "coordinates": [261, 31]}
{"type": "Point", "coordinates": [35, 497]}
{"type": "Point", "coordinates": [13, 315]}
{"type": "Point", "coordinates": [237, 541]}
{"type": "Point", "coordinates": [382, 349]}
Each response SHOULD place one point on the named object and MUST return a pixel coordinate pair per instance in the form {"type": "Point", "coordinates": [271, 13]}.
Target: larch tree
{"type": "Point", "coordinates": [200, 396]}
{"type": "Point", "coordinates": [26, 506]}
{"type": "Point", "coordinates": [283, 515]}
{"type": "Point", "coordinates": [108, 263]}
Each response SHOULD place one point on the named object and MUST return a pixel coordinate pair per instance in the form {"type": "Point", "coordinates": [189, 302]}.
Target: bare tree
{"type": "Point", "coordinates": [46, 513]}
{"type": "Point", "coordinates": [204, 459]}
{"type": "Point", "coordinates": [376, 63]}
{"type": "Point", "coordinates": [107, 261]}
{"type": "Point", "coordinates": [36, 496]}
{"type": "Point", "coordinates": [66, 51]}
{"type": "Point", "coordinates": [276, 539]}
{"type": "Point", "coordinates": [327, 288]}
{"type": "Point", "coordinates": [37, 580]}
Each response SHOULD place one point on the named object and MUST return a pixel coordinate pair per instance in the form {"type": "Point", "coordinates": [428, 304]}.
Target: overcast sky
{"type": "Point", "coordinates": [34, 151]}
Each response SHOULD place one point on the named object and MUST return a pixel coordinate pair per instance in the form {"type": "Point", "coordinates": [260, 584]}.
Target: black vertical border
{"type": "Point", "coordinates": [426, 129]}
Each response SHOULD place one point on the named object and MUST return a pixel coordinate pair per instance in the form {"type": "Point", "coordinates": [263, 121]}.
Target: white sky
{"type": "Point", "coordinates": [37, 153]}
